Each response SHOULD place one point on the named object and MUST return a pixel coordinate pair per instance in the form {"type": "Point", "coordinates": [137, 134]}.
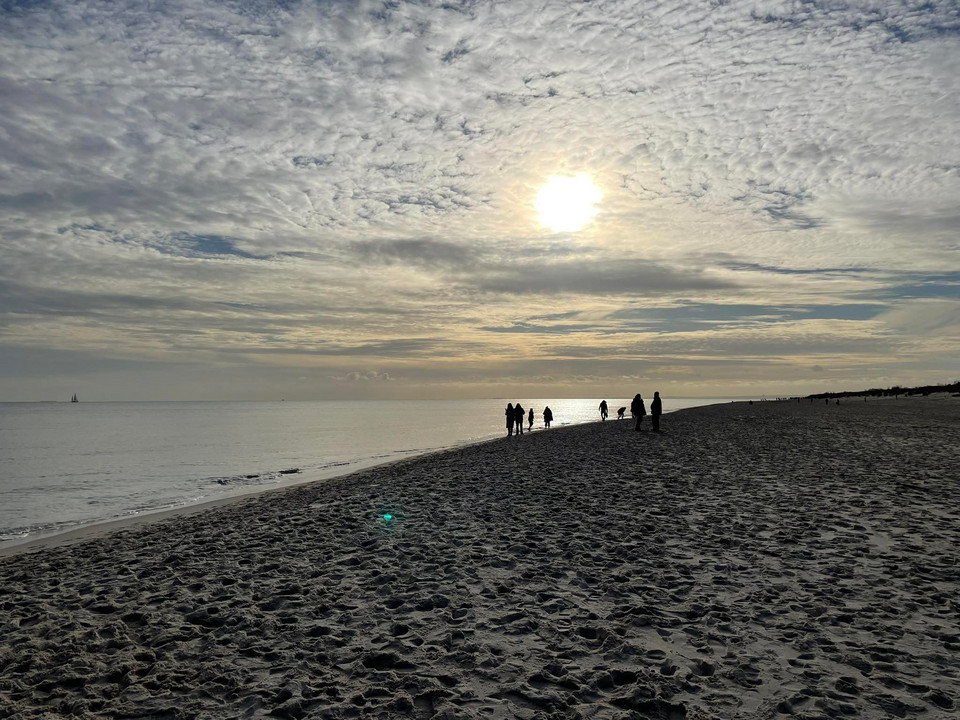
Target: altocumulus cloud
{"type": "Point", "coordinates": [368, 376]}
{"type": "Point", "coordinates": [333, 181]}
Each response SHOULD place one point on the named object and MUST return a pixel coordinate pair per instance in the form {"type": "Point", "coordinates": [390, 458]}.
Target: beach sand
{"type": "Point", "coordinates": [752, 561]}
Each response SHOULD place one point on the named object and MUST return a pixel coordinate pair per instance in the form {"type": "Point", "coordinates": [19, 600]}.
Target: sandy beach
{"type": "Point", "coordinates": [752, 561]}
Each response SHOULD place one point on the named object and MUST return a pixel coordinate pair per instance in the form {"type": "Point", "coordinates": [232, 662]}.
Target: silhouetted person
{"type": "Point", "coordinates": [603, 409]}
{"type": "Point", "coordinates": [510, 417]}
{"type": "Point", "coordinates": [620, 412]}
{"type": "Point", "coordinates": [518, 413]}
{"type": "Point", "coordinates": [547, 416]}
{"type": "Point", "coordinates": [530, 419]}
{"type": "Point", "coordinates": [656, 410]}
{"type": "Point", "coordinates": [638, 409]}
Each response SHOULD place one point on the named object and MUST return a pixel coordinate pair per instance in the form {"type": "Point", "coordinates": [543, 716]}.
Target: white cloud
{"type": "Point", "coordinates": [926, 318]}
{"type": "Point", "coordinates": [368, 376]}
{"type": "Point", "coordinates": [206, 177]}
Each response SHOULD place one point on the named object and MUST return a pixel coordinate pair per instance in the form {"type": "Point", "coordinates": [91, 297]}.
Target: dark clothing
{"type": "Point", "coordinates": [638, 409]}
{"type": "Point", "coordinates": [518, 413]}
{"type": "Point", "coordinates": [530, 419]}
{"type": "Point", "coordinates": [547, 416]}
{"type": "Point", "coordinates": [603, 410]}
{"type": "Point", "coordinates": [656, 410]}
{"type": "Point", "coordinates": [510, 416]}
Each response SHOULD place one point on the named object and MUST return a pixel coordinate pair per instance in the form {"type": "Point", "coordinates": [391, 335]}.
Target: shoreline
{"type": "Point", "coordinates": [749, 561]}
{"type": "Point", "coordinates": [83, 532]}
{"type": "Point", "coordinates": [98, 529]}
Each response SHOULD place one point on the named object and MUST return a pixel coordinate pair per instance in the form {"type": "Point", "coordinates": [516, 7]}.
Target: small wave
{"type": "Point", "coordinates": [38, 530]}
{"type": "Point", "coordinates": [20, 533]}
{"type": "Point", "coordinates": [47, 529]}
{"type": "Point", "coordinates": [254, 478]}
{"type": "Point", "coordinates": [15, 534]}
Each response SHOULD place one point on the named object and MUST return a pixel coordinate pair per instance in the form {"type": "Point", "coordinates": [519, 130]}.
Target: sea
{"type": "Point", "coordinates": [65, 466]}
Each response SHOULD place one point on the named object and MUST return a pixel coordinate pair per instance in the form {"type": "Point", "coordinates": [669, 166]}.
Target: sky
{"type": "Point", "coordinates": [333, 200]}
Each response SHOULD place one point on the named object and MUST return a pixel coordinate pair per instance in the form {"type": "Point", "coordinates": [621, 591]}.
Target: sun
{"type": "Point", "coordinates": [566, 204]}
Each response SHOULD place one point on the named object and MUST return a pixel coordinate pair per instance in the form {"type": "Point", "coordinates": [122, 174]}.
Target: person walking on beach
{"type": "Point", "coordinates": [530, 420]}
{"type": "Point", "coordinates": [518, 414]}
{"type": "Point", "coordinates": [603, 409]}
{"type": "Point", "coordinates": [547, 416]}
{"type": "Point", "coordinates": [656, 409]}
{"type": "Point", "coordinates": [510, 417]}
{"type": "Point", "coordinates": [638, 409]}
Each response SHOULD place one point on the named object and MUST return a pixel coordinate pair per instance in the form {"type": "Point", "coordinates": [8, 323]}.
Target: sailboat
{"type": "Point", "coordinates": [74, 398]}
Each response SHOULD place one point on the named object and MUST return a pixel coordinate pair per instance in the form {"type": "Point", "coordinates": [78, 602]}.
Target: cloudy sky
{"type": "Point", "coordinates": [337, 199]}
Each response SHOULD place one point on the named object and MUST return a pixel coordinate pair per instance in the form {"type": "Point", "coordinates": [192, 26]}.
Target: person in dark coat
{"type": "Point", "coordinates": [510, 417]}
{"type": "Point", "coordinates": [656, 410]}
{"type": "Point", "coordinates": [518, 413]}
{"type": "Point", "coordinates": [547, 416]}
{"type": "Point", "coordinates": [603, 409]}
{"type": "Point", "coordinates": [638, 409]}
{"type": "Point", "coordinates": [530, 419]}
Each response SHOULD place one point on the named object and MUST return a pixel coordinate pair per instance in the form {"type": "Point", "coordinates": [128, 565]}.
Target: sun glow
{"type": "Point", "coordinates": [566, 204]}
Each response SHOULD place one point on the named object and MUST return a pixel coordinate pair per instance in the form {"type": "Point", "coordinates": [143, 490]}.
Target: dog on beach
{"type": "Point", "coordinates": [620, 413]}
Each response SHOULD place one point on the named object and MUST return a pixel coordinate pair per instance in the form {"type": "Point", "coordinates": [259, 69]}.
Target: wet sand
{"type": "Point", "coordinates": [752, 561]}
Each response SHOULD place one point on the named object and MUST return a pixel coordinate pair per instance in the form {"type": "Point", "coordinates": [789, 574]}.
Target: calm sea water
{"type": "Point", "coordinates": [64, 466]}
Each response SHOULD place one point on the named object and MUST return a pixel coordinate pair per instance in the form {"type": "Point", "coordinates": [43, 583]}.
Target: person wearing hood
{"type": "Point", "coordinates": [638, 409]}
{"type": "Point", "coordinates": [656, 410]}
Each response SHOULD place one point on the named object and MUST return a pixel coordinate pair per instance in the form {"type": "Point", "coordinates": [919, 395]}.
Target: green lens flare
{"type": "Point", "coordinates": [388, 517]}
